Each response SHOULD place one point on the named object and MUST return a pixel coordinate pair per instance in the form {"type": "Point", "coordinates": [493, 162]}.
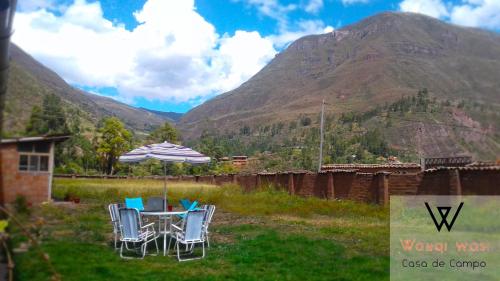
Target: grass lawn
{"type": "Point", "coordinates": [263, 235]}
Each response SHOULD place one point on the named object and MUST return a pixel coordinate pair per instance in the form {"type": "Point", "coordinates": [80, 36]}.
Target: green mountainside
{"type": "Point", "coordinates": [29, 81]}
{"type": "Point", "coordinates": [364, 67]}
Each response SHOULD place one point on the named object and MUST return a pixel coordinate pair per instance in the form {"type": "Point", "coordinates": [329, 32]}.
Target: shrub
{"type": "Point", "coordinates": [21, 205]}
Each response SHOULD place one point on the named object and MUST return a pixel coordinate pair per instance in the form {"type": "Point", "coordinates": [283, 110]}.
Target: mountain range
{"type": "Point", "coordinates": [29, 81]}
{"type": "Point", "coordinates": [357, 68]}
{"type": "Point", "coordinates": [373, 62]}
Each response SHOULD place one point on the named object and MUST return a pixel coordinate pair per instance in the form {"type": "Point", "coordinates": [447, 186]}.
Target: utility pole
{"type": "Point", "coordinates": [321, 136]}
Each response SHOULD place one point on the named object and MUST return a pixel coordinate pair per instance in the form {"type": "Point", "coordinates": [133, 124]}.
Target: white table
{"type": "Point", "coordinates": [166, 216]}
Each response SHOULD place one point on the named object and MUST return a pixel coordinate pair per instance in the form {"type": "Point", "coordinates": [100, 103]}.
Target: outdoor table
{"type": "Point", "coordinates": [166, 216]}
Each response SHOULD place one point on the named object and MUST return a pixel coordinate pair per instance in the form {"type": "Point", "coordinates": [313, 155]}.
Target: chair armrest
{"type": "Point", "coordinates": [148, 225]}
{"type": "Point", "coordinates": [176, 227]}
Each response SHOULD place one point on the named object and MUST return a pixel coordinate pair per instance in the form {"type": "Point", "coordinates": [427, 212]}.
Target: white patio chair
{"type": "Point", "coordinates": [155, 204]}
{"type": "Point", "coordinates": [115, 221]}
{"type": "Point", "coordinates": [207, 220]}
{"type": "Point", "coordinates": [132, 230]}
{"type": "Point", "coordinates": [190, 232]}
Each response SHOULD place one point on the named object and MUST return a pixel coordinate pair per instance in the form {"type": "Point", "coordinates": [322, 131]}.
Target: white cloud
{"type": "Point", "coordinates": [351, 2]}
{"type": "Point", "coordinates": [273, 9]}
{"type": "Point", "coordinates": [290, 31]}
{"type": "Point", "coordinates": [172, 55]}
{"type": "Point", "coordinates": [474, 13]}
{"type": "Point", "coordinates": [314, 6]}
{"type": "Point", "coordinates": [479, 13]}
{"type": "Point", "coordinates": [433, 8]}
{"type": "Point", "coordinates": [303, 28]}
{"type": "Point", "coordinates": [32, 5]}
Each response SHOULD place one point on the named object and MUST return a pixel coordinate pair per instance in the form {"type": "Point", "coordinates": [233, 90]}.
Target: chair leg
{"type": "Point", "coordinates": [203, 249]}
{"type": "Point", "coordinates": [157, 250]}
{"type": "Point", "coordinates": [178, 251]}
{"type": "Point", "coordinates": [144, 248]}
{"type": "Point", "coordinates": [208, 240]}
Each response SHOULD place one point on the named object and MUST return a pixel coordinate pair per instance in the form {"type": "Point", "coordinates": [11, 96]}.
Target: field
{"type": "Point", "coordinates": [263, 235]}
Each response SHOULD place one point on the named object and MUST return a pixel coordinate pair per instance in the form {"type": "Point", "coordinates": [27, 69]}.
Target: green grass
{"type": "Point", "coordinates": [263, 235]}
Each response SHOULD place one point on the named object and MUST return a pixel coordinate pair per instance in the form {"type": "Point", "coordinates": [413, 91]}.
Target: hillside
{"type": "Point", "coordinates": [29, 81]}
{"type": "Point", "coordinates": [374, 62]}
{"type": "Point", "coordinates": [173, 116]}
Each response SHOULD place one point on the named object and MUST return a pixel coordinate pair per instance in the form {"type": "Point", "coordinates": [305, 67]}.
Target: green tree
{"type": "Point", "coordinates": [114, 140]}
{"type": "Point", "coordinates": [50, 119]}
{"type": "Point", "coordinates": [36, 124]}
{"type": "Point", "coordinates": [164, 133]}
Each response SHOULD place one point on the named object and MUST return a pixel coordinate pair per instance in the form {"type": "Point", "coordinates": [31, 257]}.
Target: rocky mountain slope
{"type": "Point", "coordinates": [373, 62]}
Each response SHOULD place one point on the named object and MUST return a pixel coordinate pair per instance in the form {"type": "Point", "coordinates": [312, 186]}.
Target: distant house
{"type": "Point", "coordinates": [26, 168]}
{"type": "Point", "coordinates": [240, 161]}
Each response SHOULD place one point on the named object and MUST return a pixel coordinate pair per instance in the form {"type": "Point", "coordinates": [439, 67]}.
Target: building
{"type": "Point", "coordinates": [240, 161]}
{"type": "Point", "coordinates": [27, 167]}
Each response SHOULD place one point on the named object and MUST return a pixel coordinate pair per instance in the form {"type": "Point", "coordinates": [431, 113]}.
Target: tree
{"type": "Point", "coordinates": [36, 124]}
{"type": "Point", "coordinates": [164, 133]}
{"type": "Point", "coordinates": [114, 140]}
{"type": "Point", "coordinates": [49, 119]}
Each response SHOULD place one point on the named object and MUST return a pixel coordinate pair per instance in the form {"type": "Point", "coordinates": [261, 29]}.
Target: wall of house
{"type": "Point", "coordinates": [365, 187]}
{"type": "Point", "coordinates": [33, 185]}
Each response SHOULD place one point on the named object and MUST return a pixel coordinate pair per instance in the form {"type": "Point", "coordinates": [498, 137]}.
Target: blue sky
{"type": "Point", "coordinates": [172, 55]}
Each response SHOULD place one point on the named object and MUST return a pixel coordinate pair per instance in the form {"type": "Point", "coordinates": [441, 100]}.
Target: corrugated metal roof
{"type": "Point", "coordinates": [36, 139]}
{"type": "Point", "coordinates": [466, 168]}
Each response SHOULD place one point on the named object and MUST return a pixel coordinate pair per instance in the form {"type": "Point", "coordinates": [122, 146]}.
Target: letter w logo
{"type": "Point", "coordinates": [444, 211]}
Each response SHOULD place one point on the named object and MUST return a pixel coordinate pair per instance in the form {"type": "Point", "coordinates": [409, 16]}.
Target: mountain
{"type": "Point", "coordinates": [29, 81]}
{"type": "Point", "coordinates": [368, 64]}
{"type": "Point", "coordinates": [173, 117]}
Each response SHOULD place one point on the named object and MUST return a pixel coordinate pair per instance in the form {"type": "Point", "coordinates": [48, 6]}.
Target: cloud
{"type": "Point", "coordinates": [473, 13]}
{"type": "Point", "coordinates": [477, 13]}
{"type": "Point", "coordinates": [32, 5]}
{"type": "Point", "coordinates": [433, 8]}
{"type": "Point", "coordinates": [314, 6]}
{"type": "Point", "coordinates": [273, 9]}
{"type": "Point", "coordinates": [174, 54]}
{"type": "Point", "coordinates": [302, 28]}
{"type": "Point", "coordinates": [351, 2]}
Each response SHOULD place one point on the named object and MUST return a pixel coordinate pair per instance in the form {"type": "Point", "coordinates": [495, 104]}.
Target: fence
{"type": "Point", "coordinates": [353, 185]}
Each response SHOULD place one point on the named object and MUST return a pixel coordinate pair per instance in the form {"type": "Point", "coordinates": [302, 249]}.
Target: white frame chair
{"type": "Point", "coordinates": [115, 221]}
{"type": "Point", "coordinates": [190, 232]}
{"type": "Point", "coordinates": [132, 231]}
{"type": "Point", "coordinates": [207, 220]}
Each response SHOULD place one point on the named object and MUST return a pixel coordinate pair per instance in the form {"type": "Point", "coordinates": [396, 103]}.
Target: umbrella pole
{"type": "Point", "coordinates": [165, 186]}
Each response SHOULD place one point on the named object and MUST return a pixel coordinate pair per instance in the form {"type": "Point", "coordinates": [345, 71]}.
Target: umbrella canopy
{"type": "Point", "coordinates": [167, 153]}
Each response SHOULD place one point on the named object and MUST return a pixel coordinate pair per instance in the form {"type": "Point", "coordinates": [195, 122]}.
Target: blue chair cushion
{"type": "Point", "coordinates": [134, 203]}
{"type": "Point", "coordinates": [191, 208]}
{"type": "Point", "coordinates": [185, 204]}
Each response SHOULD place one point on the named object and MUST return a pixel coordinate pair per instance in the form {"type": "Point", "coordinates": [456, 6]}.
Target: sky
{"type": "Point", "coordinates": [172, 55]}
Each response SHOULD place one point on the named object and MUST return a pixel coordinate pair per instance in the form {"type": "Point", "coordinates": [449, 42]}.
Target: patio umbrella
{"type": "Point", "coordinates": [167, 153]}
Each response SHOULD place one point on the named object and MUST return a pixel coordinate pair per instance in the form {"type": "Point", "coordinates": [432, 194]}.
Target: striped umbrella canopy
{"type": "Point", "coordinates": [167, 153]}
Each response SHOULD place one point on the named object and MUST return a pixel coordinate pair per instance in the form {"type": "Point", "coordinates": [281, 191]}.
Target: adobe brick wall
{"type": "Point", "coordinates": [485, 182]}
{"type": "Point", "coordinates": [362, 188]}
{"type": "Point", "coordinates": [404, 184]}
{"type": "Point", "coordinates": [366, 187]}
{"type": "Point", "coordinates": [34, 186]}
